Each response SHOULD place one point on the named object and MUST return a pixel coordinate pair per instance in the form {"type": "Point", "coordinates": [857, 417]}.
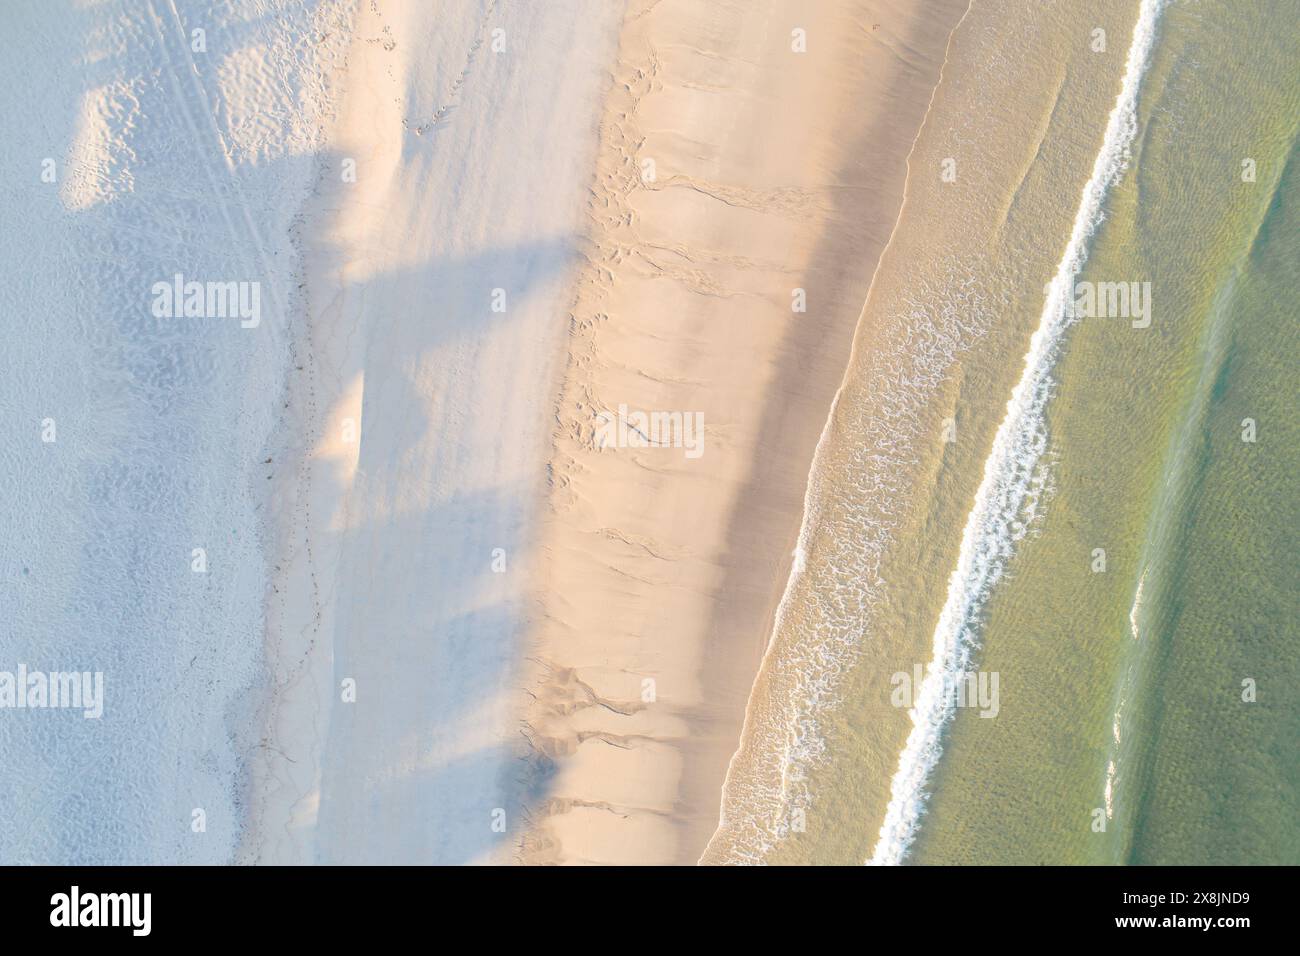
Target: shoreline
{"type": "Point", "coordinates": [906, 443]}
{"type": "Point", "coordinates": [638, 780]}
{"type": "Point", "coordinates": [805, 531]}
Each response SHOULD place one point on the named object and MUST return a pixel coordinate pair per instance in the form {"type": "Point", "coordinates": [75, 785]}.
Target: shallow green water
{"type": "Point", "coordinates": [1122, 734]}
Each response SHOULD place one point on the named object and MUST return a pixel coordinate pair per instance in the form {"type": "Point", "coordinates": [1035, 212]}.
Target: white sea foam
{"type": "Point", "coordinates": [1136, 609]}
{"type": "Point", "coordinates": [1009, 473]}
{"type": "Point", "coordinates": [850, 512]}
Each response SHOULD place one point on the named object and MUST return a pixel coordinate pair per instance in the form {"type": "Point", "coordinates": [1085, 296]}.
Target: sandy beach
{"type": "Point", "coordinates": [645, 432]}
{"type": "Point", "coordinates": [751, 168]}
{"type": "Point", "coordinates": [437, 253]}
{"type": "Point", "coordinates": [492, 639]}
{"type": "Point", "coordinates": [576, 310]}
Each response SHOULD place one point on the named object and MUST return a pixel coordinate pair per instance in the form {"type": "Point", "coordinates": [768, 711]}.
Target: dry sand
{"type": "Point", "coordinates": [416, 431]}
{"type": "Point", "coordinates": [659, 574]}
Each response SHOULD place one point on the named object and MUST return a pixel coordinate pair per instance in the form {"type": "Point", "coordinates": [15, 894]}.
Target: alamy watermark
{"type": "Point", "coordinates": [626, 429]}
{"type": "Point", "coordinates": [1108, 300]}
{"type": "Point", "coordinates": [208, 300]}
{"type": "Point", "coordinates": [75, 908]}
{"type": "Point", "coordinates": [40, 690]}
{"type": "Point", "coordinates": [977, 689]}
